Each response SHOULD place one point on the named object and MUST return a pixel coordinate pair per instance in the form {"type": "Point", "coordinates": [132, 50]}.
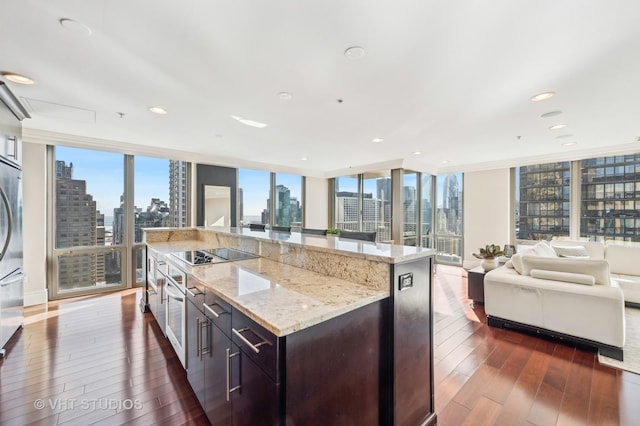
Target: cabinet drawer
{"type": "Point", "coordinates": [257, 343]}
{"type": "Point", "coordinates": [218, 311]}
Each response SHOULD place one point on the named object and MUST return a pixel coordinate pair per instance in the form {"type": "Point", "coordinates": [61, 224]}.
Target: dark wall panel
{"type": "Point", "coordinates": [218, 176]}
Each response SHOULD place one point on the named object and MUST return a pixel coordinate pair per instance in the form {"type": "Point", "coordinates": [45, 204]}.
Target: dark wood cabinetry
{"type": "Point", "coordinates": [197, 348]}
{"type": "Point", "coordinates": [372, 365]}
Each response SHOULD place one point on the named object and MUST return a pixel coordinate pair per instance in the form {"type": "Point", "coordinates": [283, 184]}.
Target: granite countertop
{"type": "Point", "coordinates": [380, 252]}
{"type": "Point", "coordinates": [281, 298]}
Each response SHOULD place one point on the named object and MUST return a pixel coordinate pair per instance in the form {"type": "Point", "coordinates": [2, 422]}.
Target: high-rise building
{"type": "Point", "coordinates": [296, 212]}
{"type": "Point", "coordinates": [76, 225]}
{"type": "Point", "coordinates": [157, 215]}
{"type": "Point", "coordinates": [610, 198]}
{"type": "Point", "coordinates": [283, 206]}
{"type": "Point", "coordinates": [544, 194]}
{"type": "Point", "coordinates": [347, 210]}
{"type": "Point", "coordinates": [451, 204]}
{"type": "Point", "coordinates": [178, 195]}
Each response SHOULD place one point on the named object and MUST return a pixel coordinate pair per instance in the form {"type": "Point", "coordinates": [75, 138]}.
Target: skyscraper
{"type": "Point", "coordinates": [451, 203]}
{"type": "Point", "coordinates": [76, 225]}
{"type": "Point", "coordinates": [544, 193]}
{"type": "Point", "coordinates": [178, 193]}
{"type": "Point", "coordinates": [283, 206]}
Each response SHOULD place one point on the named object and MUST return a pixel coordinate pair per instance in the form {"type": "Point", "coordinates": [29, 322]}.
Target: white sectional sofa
{"type": "Point", "coordinates": [568, 289]}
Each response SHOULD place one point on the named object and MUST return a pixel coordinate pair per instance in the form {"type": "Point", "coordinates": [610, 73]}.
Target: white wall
{"type": "Point", "coordinates": [316, 210]}
{"type": "Point", "coordinates": [487, 211]}
{"type": "Point", "coordinates": [34, 221]}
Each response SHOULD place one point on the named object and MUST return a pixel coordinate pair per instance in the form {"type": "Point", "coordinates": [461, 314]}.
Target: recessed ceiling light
{"type": "Point", "coordinates": [285, 96]}
{"type": "Point", "coordinates": [564, 136]}
{"type": "Point", "coordinates": [551, 114]}
{"type": "Point", "coordinates": [157, 110]}
{"type": "Point", "coordinates": [558, 126]}
{"type": "Point", "coordinates": [248, 122]}
{"type": "Point", "coordinates": [304, 158]}
{"type": "Point", "coordinates": [17, 78]}
{"type": "Point", "coordinates": [416, 152]}
{"type": "Point", "coordinates": [377, 140]}
{"type": "Point", "coordinates": [569, 143]}
{"type": "Point", "coordinates": [445, 161]}
{"type": "Point", "coordinates": [75, 26]}
{"type": "Point", "coordinates": [354, 52]}
{"type": "Point", "coordinates": [542, 96]}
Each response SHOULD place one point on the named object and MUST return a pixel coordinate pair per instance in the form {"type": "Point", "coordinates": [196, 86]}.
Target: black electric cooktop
{"type": "Point", "coordinates": [211, 255]}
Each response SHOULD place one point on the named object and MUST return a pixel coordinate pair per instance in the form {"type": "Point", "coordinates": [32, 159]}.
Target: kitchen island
{"type": "Point", "coordinates": [313, 330]}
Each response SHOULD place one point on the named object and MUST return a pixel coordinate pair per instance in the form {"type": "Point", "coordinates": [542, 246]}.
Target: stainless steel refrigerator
{"type": "Point", "coordinates": [11, 273]}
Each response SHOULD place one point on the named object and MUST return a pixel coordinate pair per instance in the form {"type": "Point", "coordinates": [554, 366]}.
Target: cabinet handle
{"type": "Point", "coordinates": [204, 325]}
{"type": "Point", "coordinates": [214, 313]}
{"type": "Point", "coordinates": [198, 338]}
{"type": "Point", "coordinates": [192, 294]}
{"type": "Point", "coordinates": [245, 340]}
{"type": "Point", "coordinates": [229, 388]}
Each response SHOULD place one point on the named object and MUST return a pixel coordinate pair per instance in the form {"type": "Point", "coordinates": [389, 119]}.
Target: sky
{"type": "Point", "coordinates": [104, 174]}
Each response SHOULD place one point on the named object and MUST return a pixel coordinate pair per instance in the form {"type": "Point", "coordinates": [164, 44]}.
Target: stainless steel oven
{"type": "Point", "coordinates": [174, 290]}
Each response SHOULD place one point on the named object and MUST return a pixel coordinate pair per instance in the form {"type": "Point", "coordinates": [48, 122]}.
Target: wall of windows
{"type": "Point", "coordinates": [607, 196]}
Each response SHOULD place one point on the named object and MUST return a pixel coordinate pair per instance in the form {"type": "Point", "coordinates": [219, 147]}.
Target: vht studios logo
{"type": "Point", "coordinates": [88, 404]}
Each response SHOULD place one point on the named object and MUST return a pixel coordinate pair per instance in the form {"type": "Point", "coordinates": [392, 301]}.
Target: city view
{"type": "Point", "coordinates": [86, 220]}
{"type": "Point", "coordinates": [90, 206]}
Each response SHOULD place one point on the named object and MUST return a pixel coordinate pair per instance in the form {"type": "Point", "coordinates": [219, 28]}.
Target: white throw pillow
{"type": "Point", "coordinates": [598, 269]}
{"type": "Point", "coordinates": [574, 252]}
{"type": "Point", "coordinates": [543, 249]}
{"type": "Point", "coordinates": [567, 277]}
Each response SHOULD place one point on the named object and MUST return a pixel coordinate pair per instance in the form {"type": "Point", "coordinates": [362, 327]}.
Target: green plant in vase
{"type": "Point", "coordinates": [489, 255]}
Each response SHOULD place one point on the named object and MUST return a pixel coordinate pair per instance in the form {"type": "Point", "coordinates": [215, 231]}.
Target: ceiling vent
{"type": "Point", "coordinates": [58, 111]}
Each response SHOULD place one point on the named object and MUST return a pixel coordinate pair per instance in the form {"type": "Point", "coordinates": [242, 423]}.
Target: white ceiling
{"type": "Point", "coordinates": [451, 79]}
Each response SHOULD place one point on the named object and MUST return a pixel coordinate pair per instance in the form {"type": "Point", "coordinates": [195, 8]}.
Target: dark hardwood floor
{"type": "Point", "coordinates": [99, 360]}
{"type": "Point", "coordinates": [94, 360]}
{"type": "Point", "coordinates": [488, 376]}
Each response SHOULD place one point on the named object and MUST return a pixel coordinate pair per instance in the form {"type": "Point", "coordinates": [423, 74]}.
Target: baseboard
{"type": "Point", "coordinates": [36, 297]}
{"type": "Point", "coordinates": [606, 350]}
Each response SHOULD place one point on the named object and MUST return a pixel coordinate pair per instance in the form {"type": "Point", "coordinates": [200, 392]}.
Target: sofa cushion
{"type": "Point", "coordinates": [576, 252]}
{"type": "Point", "coordinates": [596, 250]}
{"type": "Point", "coordinates": [598, 269]}
{"type": "Point", "coordinates": [543, 249]}
{"type": "Point", "coordinates": [623, 260]}
{"type": "Point", "coordinates": [567, 277]}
